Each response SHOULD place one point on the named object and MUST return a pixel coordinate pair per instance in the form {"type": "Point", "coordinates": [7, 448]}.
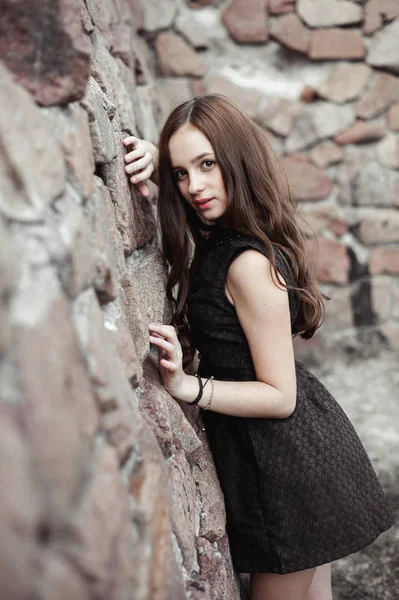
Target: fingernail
{"type": "Point", "coordinates": [134, 180]}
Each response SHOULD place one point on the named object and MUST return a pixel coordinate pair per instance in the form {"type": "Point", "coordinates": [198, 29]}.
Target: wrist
{"type": "Point", "coordinates": [189, 389]}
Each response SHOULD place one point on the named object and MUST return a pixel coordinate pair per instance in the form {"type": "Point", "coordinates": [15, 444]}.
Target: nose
{"type": "Point", "coordinates": [196, 183]}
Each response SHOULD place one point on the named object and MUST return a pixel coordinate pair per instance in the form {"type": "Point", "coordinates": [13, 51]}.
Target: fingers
{"type": "Point", "coordinates": [138, 152]}
{"type": "Point", "coordinates": [130, 140]}
{"type": "Point", "coordinates": [142, 163]}
{"type": "Point", "coordinates": [166, 331]}
{"type": "Point", "coordinates": [143, 189]}
{"type": "Point", "coordinates": [162, 343]}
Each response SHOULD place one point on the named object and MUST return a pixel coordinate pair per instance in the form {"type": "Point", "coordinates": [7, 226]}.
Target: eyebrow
{"type": "Point", "coordinates": [194, 160]}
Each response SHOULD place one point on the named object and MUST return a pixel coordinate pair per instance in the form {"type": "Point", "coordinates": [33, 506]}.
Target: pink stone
{"type": "Point", "coordinates": [383, 91]}
{"type": "Point", "coordinates": [57, 392]}
{"type": "Point", "coordinates": [393, 117]}
{"type": "Point", "coordinates": [308, 94]}
{"type": "Point", "coordinates": [182, 494]}
{"type": "Point", "coordinates": [376, 11]}
{"type": "Point", "coordinates": [316, 221]}
{"type": "Point", "coordinates": [213, 513]}
{"type": "Point", "coordinates": [290, 31]}
{"type": "Point", "coordinates": [23, 502]}
{"type": "Point", "coordinates": [34, 178]}
{"type": "Point", "coordinates": [97, 535]}
{"type": "Point", "coordinates": [331, 258]}
{"type": "Point", "coordinates": [134, 216]}
{"type": "Point", "coordinates": [384, 260]}
{"type": "Point", "coordinates": [307, 181]}
{"type": "Point", "coordinates": [46, 49]}
{"type": "Point", "coordinates": [246, 20]}
{"type": "Point", "coordinates": [198, 87]}
{"type": "Point", "coordinates": [326, 154]}
{"type": "Point", "coordinates": [278, 7]}
{"type": "Point", "coordinates": [345, 83]}
{"type": "Point", "coordinates": [361, 131]}
{"type": "Point", "coordinates": [247, 99]}
{"type": "Point", "coordinates": [336, 44]}
{"type": "Point", "coordinates": [154, 407]}
{"type": "Point", "coordinates": [153, 532]}
{"type": "Point", "coordinates": [212, 567]}
{"type": "Point", "coordinates": [329, 13]}
{"type": "Point", "coordinates": [176, 57]}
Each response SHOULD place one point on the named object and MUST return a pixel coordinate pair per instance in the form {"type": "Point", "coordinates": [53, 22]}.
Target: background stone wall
{"type": "Point", "coordinates": [108, 489]}
{"type": "Point", "coordinates": [321, 78]}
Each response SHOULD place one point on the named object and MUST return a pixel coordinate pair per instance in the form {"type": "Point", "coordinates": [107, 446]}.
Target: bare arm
{"type": "Point", "coordinates": [263, 311]}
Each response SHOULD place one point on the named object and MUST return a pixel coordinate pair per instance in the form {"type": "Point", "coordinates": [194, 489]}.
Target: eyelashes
{"type": "Point", "coordinates": [205, 164]}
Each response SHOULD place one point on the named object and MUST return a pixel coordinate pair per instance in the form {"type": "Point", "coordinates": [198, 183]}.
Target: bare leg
{"type": "Point", "coordinates": [320, 588]}
{"type": "Point", "coordinates": [270, 586]}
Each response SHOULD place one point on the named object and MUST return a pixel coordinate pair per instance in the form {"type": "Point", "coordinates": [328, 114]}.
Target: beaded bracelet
{"type": "Point", "coordinates": [201, 391]}
{"type": "Point", "coordinates": [211, 379]}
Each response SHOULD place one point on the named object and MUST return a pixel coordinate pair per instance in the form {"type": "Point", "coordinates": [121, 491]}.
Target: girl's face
{"type": "Point", "coordinates": [197, 173]}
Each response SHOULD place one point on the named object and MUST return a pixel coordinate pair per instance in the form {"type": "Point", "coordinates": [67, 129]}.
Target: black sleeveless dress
{"type": "Point", "coordinates": [301, 491]}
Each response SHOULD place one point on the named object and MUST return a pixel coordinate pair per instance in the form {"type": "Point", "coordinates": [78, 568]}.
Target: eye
{"type": "Point", "coordinates": [208, 164]}
{"type": "Point", "coordinates": [179, 174]}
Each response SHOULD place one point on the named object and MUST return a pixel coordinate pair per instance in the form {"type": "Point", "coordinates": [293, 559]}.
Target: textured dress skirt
{"type": "Point", "coordinates": [300, 491]}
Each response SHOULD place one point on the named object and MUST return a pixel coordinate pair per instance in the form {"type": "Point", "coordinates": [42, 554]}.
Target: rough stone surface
{"type": "Point", "coordinates": [384, 260]}
{"type": "Point", "coordinates": [374, 185]}
{"type": "Point", "coordinates": [278, 7]}
{"type": "Point", "coordinates": [387, 151]}
{"type": "Point", "coordinates": [81, 276]}
{"type": "Point", "coordinates": [331, 258]}
{"type": "Point", "coordinates": [321, 220]}
{"type": "Point", "coordinates": [326, 154]}
{"type": "Point", "coordinates": [345, 83]}
{"type": "Point", "coordinates": [290, 31]}
{"type": "Point", "coordinates": [307, 181]}
{"type": "Point", "coordinates": [176, 57]}
{"type": "Point", "coordinates": [384, 48]}
{"type": "Point", "coordinates": [336, 44]}
{"type": "Point", "coordinates": [329, 13]}
{"type": "Point", "coordinates": [70, 125]}
{"type": "Point", "coordinates": [27, 187]}
{"type": "Point", "coordinates": [193, 32]}
{"type": "Point", "coordinates": [171, 92]}
{"type": "Point", "coordinates": [156, 15]}
{"type": "Point", "coordinates": [246, 20]}
{"type": "Point", "coordinates": [383, 91]}
{"type": "Point", "coordinates": [247, 99]}
{"type": "Point", "coordinates": [278, 114]}
{"type": "Point", "coordinates": [101, 130]}
{"type": "Point", "coordinates": [317, 122]}
{"type": "Point", "coordinates": [361, 131]}
{"type": "Point", "coordinates": [46, 49]}
{"type": "Point", "coordinates": [376, 11]}
{"type": "Point", "coordinates": [393, 117]}
{"type": "Point", "coordinates": [379, 227]}
{"type": "Point", "coordinates": [183, 494]}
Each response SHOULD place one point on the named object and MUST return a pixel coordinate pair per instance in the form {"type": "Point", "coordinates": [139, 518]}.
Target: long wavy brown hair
{"type": "Point", "coordinates": [259, 203]}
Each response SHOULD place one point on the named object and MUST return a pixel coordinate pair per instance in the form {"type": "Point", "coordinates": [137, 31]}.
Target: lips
{"type": "Point", "coordinates": [203, 203]}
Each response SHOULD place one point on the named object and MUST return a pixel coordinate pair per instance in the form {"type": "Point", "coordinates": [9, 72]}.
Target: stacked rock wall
{"type": "Point", "coordinates": [108, 489]}
{"type": "Point", "coordinates": [321, 79]}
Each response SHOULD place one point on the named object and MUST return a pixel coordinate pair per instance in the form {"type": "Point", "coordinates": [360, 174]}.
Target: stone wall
{"type": "Point", "coordinates": [108, 489]}
{"type": "Point", "coordinates": [321, 79]}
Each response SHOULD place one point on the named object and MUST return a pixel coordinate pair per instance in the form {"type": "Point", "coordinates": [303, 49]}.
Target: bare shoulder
{"type": "Point", "coordinates": [250, 270]}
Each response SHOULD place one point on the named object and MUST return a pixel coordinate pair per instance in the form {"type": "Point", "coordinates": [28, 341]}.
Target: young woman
{"type": "Point", "coordinates": [299, 488]}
